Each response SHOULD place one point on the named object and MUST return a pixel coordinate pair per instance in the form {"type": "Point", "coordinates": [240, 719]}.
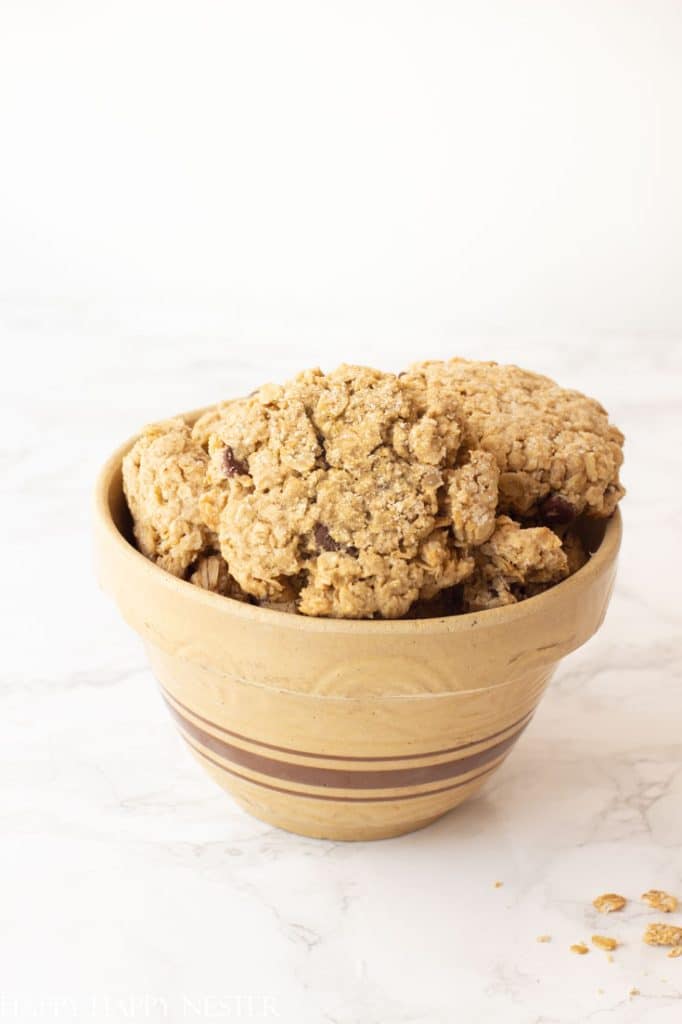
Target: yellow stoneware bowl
{"type": "Point", "coordinates": [343, 729]}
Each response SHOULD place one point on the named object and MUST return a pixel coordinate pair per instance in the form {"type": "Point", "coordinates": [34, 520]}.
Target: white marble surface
{"type": "Point", "coordinates": [133, 888]}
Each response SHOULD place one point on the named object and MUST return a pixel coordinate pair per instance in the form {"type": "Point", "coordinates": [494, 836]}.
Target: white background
{"type": "Point", "coordinates": [453, 166]}
{"type": "Point", "coordinates": [194, 198]}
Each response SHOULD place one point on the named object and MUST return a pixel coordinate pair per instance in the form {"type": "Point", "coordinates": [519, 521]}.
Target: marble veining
{"type": "Point", "coordinates": [134, 889]}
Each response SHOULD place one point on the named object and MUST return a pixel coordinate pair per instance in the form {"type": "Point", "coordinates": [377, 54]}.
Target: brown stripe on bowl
{"type": "Point", "coordinates": [338, 797]}
{"type": "Point", "coordinates": [343, 778]}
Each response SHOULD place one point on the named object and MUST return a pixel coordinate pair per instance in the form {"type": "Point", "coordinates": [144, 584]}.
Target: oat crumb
{"type": "Point", "coordinates": [634, 991]}
{"type": "Point", "coordinates": [662, 935]}
{"type": "Point", "coordinates": [675, 952]}
{"type": "Point", "coordinates": [609, 902]}
{"type": "Point", "coordinates": [580, 948]}
{"type": "Point", "coordinates": [660, 900]}
{"type": "Point", "coordinates": [498, 885]}
{"type": "Point", "coordinates": [604, 942]}
{"type": "Point", "coordinates": [544, 938]}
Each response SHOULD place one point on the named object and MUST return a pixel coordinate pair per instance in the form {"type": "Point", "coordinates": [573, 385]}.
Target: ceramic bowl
{"type": "Point", "coordinates": [344, 729]}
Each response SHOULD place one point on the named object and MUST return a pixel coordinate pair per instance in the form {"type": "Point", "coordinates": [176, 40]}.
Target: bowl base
{"type": "Point", "coordinates": [337, 831]}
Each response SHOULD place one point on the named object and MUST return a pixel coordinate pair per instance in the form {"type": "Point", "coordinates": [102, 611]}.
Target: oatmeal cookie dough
{"type": "Point", "coordinates": [163, 478]}
{"type": "Point", "coordinates": [332, 483]}
{"type": "Point", "coordinates": [211, 573]}
{"type": "Point", "coordinates": [213, 420]}
{"type": "Point", "coordinates": [512, 560]}
{"type": "Point", "coordinates": [557, 453]}
{"type": "Point", "coordinates": [452, 487]}
{"type": "Point", "coordinates": [471, 498]}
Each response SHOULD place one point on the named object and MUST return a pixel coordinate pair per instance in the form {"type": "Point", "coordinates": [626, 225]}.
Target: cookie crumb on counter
{"type": "Point", "coordinates": [634, 992]}
{"type": "Point", "coordinates": [580, 948]}
{"type": "Point", "coordinates": [662, 935]}
{"type": "Point", "coordinates": [675, 952]}
{"type": "Point", "coordinates": [544, 938]}
{"type": "Point", "coordinates": [660, 900]}
{"type": "Point", "coordinates": [604, 942]}
{"type": "Point", "coordinates": [498, 885]}
{"type": "Point", "coordinates": [609, 902]}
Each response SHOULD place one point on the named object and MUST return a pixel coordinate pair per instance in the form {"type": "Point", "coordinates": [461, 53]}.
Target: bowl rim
{"type": "Point", "coordinates": [138, 563]}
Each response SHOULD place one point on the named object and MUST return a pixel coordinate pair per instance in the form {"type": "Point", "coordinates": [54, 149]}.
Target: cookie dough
{"type": "Point", "coordinates": [453, 487]}
{"type": "Point", "coordinates": [163, 479]}
{"type": "Point", "coordinates": [512, 560]}
{"type": "Point", "coordinates": [334, 481]}
{"type": "Point", "coordinates": [556, 451]}
{"type": "Point", "coordinates": [211, 573]}
{"type": "Point", "coordinates": [211, 420]}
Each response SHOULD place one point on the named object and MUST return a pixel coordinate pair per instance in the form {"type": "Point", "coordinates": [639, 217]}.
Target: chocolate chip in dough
{"type": "Point", "coordinates": [324, 539]}
{"type": "Point", "coordinates": [232, 465]}
{"type": "Point", "coordinates": [556, 511]}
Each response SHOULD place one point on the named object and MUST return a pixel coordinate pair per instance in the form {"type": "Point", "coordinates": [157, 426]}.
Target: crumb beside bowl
{"type": "Point", "coordinates": [346, 729]}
